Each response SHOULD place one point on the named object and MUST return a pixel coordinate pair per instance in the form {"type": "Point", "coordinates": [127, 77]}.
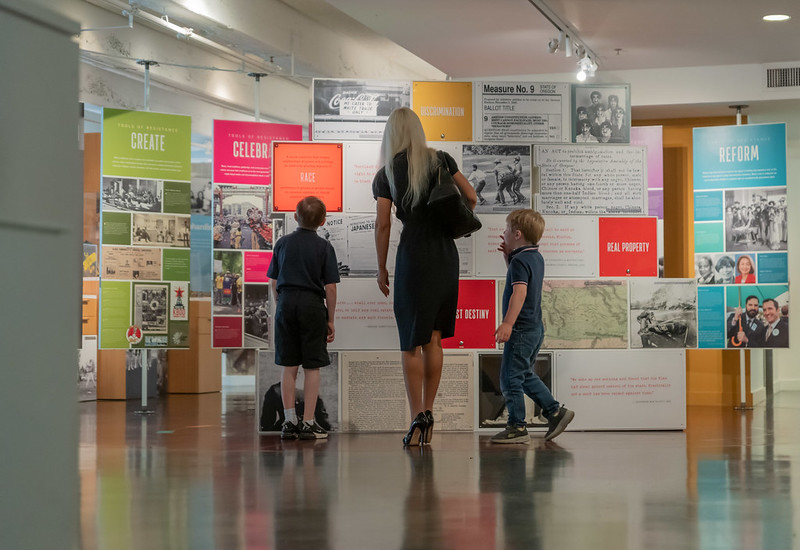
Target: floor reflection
{"type": "Point", "coordinates": [196, 475]}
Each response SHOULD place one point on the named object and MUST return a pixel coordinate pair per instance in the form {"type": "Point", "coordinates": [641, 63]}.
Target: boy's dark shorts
{"type": "Point", "coordinates": [301, 330]}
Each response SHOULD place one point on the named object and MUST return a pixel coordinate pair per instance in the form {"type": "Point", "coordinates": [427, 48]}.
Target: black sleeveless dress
{"type": "Point", "coordinates": [426, 268]}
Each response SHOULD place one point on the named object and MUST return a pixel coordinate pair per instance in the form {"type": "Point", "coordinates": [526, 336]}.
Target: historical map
{"type": "Point", "coordinates": [585, 314]}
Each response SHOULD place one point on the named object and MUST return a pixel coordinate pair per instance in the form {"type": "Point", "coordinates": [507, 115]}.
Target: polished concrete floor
{"type": "Point", "coordinates": [196, 475]}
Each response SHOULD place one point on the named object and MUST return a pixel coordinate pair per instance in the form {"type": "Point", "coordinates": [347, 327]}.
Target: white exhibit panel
{"type": "Point", "coordinates": [489, 261]}
{"type": "Point", "coordinates": [623, 390]}
{"type": "Point", "coordinates": [364, 317]}
{"type": "Point", "coordinates": [453, 148]}
{"type": "Point", "coordinates": [353, 239]}
{"type": "Point", "coordinates": [591, 180]}
{"type": "Point", "coordinates": [466, 256]}
{"type": "Point", "coordinates": [361, 162]}
{"type": "Point", "coordinates": [522, 111]}
{"type": "Point", "coordinates": [374, 397]}
{"type": "Point", "coordinates": [569, 246]}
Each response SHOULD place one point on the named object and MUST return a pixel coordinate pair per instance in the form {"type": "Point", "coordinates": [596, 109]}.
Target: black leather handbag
{"type": "Point", "coordinates": [449, 206]}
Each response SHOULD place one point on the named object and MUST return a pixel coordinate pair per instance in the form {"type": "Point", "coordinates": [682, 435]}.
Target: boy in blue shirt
{"type": "Point", "coordinates": [522, 330]}
{"type": "Point", "coordinates": [304, 273]}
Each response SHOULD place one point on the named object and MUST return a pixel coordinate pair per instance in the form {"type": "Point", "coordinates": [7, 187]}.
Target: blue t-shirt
{"type": "Point", "coordinates": [526, 266]}
{"type": "Point", "coordinates": [303, 260]}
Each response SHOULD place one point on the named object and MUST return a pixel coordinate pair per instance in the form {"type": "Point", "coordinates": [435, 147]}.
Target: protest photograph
{"type": "Point", "coordinates": [500, 174]}
{"type": "Point", "coordinates": [241, 218]}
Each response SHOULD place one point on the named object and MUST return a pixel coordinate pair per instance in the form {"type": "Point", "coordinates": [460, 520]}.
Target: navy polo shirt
{"type": "Point", "coordinates": [526, 266]}
{"type": "Point", "coordinates": [303, 260]}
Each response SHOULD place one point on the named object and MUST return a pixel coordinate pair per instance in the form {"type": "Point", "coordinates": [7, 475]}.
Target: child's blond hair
{"type": "Point", "coordinates": [529, 222]}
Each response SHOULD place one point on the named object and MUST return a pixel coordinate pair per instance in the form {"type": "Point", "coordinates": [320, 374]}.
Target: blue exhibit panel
{"type": "Point", "coordinates": [752, 155]}
{"type": "Point", "coordinates": [710, 317]}
{"type": "Point", "coordinates": [201, 254]}
{"type": "Point", "coordinates": [773, 267]}
{"type": "Point", "coordinates": [708, 206]}
{"type": "Point", "coordinates": [709, 237]}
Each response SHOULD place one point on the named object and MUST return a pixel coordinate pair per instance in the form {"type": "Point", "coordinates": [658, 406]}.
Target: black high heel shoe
{"type": "Point", "coordinates": [418, 426]}
{"type": "Point", "coordinates": [428, 434]}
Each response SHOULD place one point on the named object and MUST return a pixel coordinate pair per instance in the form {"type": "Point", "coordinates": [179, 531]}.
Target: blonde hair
{"type": "Point", "coordinates": [529, 222]}
{"type": "Point", "coordinates": [404, 133]}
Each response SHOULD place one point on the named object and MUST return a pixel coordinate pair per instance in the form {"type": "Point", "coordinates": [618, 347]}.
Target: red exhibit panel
{"type": "Point", "coordinates": [306, 168]}
{"type": "Point", "coordinates": [256, 265]}
{"type": "Point", "coordinates": [227, 332]}
{"type": "Point", "coordinates": [628, 247]}
{"type": "Point", "coordinates": [476, 316]}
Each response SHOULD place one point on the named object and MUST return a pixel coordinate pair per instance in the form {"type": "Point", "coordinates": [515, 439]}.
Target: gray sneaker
{"type": "Point", "coordinates": [512, 434]}
{"type": "Point", "coordinates": [559, 422]}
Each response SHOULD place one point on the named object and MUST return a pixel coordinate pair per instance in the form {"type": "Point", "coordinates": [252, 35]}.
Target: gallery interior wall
{"type": "Point", "coordinates": [230, 96]}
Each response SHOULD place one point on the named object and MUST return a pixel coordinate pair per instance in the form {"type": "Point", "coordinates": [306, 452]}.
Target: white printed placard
{"type": "Point", "coordinates": [364, 316]}
{"type": "Point", "coordinates": [374, 397]}
{"type": "Point", "coordinates": [361, 163]}
{"type": "Point", "coordinates": [569, 246]}
{"type": "Point", "coordinates": [489, 261]}
{"type": "Point", "coordinates": [591, 180]}
{"type": "Point", "coordinates": [623, 390]}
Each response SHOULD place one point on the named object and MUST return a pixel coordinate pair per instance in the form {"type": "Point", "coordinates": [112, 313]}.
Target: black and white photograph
{"type": "Point", "coordinates": [715, 269]}
{"type": "Point", "coordinates": [161, 230]}
{"type": "Point", "coordinates": [239, 362]}
{"type": "Point", "coordinates": [268, 394]}
{"type": "Point", "coordinates": [228, 283]}
{"type": "Point", "coordinates": [601, 113]}
{"type": "Point", "coordinates": [663, 313]}
{"type": "Point", "coordinates": [492, 411]}
{"type": "Point", "coordinates": [355, 109]}
{"type": "Point", "coordinates": [202, 174]}
{"type": "Point", "coordinates": [241, 218]}
{"type": "Point", "coordinates": [756, 219]}
{"type": "Point", "coordinates": [150, 303]}
{"type": "Point", "coordinates": [256, 315]}
{"type": "Point", "coordinates": [132, 194]}
{"type": "Point", "coordinates": [87, 369]}
{"type": "Point", "coordinates": [201, 197]}
{"type": "Point", "coordinates": [500, 174]}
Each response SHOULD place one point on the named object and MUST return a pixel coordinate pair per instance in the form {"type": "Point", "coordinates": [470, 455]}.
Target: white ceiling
{"type": "Point", "coordinates": [473, 39]}
{"type": "Point", "coordinates": [476, 38]}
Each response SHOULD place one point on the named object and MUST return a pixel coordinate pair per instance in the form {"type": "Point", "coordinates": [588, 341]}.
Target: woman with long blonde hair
{"type": "Point", "coordinates": [426, 267]}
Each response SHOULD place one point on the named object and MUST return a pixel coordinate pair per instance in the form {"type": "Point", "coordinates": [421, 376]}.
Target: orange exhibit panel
{"type": "Point", "coordinates": [301, 169]}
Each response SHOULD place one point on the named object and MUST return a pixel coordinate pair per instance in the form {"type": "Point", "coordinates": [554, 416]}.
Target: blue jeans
{"type": "Point", "coordinates": [517, 378]}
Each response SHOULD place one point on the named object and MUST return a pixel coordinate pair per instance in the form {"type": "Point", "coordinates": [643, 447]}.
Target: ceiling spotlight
{"type": "Point", "coordinates": [552, 45]}
{"type": "Point", "coordinates": [580, 51]}
{"type": "Point", "coordinates": [586, 67]}
{"type": "Point", "coordinates": [567, 46]}
{"type": "Point", "coordinates": [776, 17]}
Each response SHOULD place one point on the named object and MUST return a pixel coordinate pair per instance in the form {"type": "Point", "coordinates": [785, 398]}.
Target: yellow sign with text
{"type": "Point", "coordinates": [445, 109]}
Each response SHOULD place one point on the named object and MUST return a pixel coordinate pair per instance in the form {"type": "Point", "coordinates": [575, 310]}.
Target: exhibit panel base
{"type": "Point", "coordinates": [196, 370]}
{"type": "Point", "coordinates": [623, 390]}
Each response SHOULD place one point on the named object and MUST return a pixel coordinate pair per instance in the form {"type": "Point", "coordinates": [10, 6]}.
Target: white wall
{"type": "Point", "coordinates": [40, 247]}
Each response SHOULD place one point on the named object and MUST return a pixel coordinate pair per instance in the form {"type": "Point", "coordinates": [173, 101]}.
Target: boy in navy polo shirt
{"type": "Point", "coordinates": [522, 330]}
{"type": "Point", "coordinates": [304, 274]}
